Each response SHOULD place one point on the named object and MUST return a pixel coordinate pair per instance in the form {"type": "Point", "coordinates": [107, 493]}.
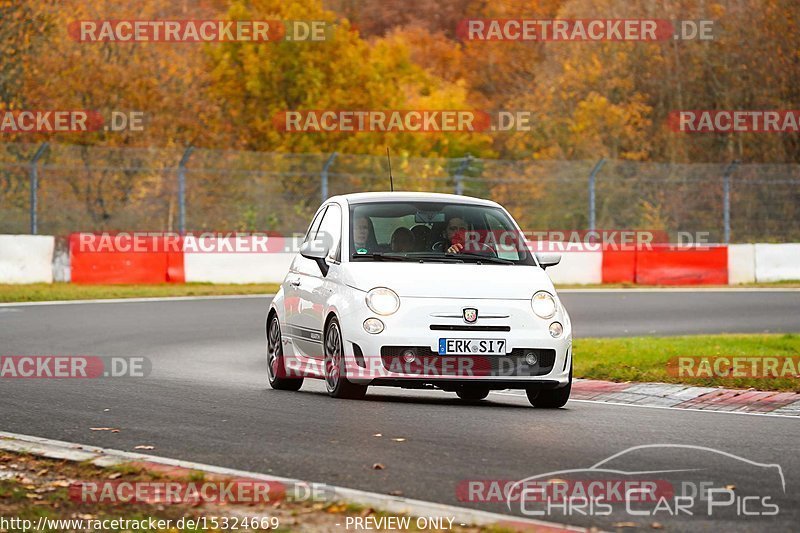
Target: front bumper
{"type": "Point", "coordinates": [378, 359]}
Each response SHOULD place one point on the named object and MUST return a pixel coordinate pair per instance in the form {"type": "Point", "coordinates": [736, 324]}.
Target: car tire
{"type": "Point", "coordinates": [336, 382]}
{"type": "Point", "coordinates": [472, 393]}
{"type": "Point", "coordinates": [276, 371]}
{"type": "Point", "coordinates": [550, 398]}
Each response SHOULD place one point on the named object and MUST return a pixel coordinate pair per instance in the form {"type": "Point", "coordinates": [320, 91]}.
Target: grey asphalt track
{"type": "Point", "coordinates": [207, 401]}
{"type": "Point", "coordinates": [602, 313]}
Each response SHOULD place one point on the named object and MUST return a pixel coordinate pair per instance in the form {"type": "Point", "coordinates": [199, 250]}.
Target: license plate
{"type": "Point", "coordinates": [472, 346]}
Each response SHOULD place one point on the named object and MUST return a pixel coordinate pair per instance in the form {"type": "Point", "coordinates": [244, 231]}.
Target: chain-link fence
{"type": "Point", "coordinates": [57, 189]}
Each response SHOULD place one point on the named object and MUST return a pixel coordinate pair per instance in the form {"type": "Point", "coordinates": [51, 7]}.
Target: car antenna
{"type": "Point", "coordinates": [391, 180]}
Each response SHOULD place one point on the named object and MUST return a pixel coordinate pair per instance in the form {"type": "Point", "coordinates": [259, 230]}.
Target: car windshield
{"type": "Point", "coordinates": [427, 231]}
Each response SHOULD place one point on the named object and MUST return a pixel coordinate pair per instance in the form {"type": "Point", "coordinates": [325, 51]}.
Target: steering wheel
{"type": "Point", "coordinates": [483, 249]}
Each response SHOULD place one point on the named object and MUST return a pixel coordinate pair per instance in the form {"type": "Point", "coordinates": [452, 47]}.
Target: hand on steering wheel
{"type": "Point", "coordinates": [484, 249]}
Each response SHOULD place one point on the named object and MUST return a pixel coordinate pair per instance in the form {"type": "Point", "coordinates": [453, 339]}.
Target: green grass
{"type": "Point", "coordinates": [646, 358]}
{"type": "Point", "coordinates": [38, 292]}
{"type": "Point", "coordinates": [41, 292]}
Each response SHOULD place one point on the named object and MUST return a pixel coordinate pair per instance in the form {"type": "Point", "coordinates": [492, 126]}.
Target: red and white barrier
{"type": "Point", "coordinates": [741, 263]}
{"type": "Point", "coordinates": [268, 267]}
{"type": "Point", "coordinates": [578, 268]}
{"type": "Point", "coordinates": [777, 262]}
{"type": "Point", "coordinates": [26, 258]}
{"type": "Point", "coordinates": [89, 264]}
{"type": "Point", "coordinates": [667, 265]}
{"type": "Point", "coordinates": [619, 266]}
{"type": "Point", "coordinates": [30, 259]}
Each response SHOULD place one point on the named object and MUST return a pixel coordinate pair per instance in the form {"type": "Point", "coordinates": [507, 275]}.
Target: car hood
{"type": "Point", "coordinates": [447, 280]}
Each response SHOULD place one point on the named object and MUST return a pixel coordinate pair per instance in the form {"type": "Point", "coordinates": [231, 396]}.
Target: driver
{"type": "Point", "coordinates": [453, 233]}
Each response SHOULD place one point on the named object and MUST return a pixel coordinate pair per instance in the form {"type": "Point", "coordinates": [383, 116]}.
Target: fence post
{"type": "Point", "coordinates": [34, 175]}
{"type": "Point", "coordinates": [726, 200]}
{"type": "Point", "coordinates": [323, 185]}
{"type": "Point", "coordinates": [182, 189]}
{"type": "Point", "coordinates": [459, 176]}
{"type": "Point", "coordinates": [592, 179]}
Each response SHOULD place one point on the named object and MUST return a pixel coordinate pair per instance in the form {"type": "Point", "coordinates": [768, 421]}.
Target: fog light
{"type": "Point", "coordinates": [409, 356]}
{"type": "Point", "coordinates": [556, 329]}
{"type": "Point", "coordinates": [530, 358]}
{"type": "Point", "coordinates": [373, 325]}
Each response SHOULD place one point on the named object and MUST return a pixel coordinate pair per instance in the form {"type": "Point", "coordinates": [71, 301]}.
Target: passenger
{"type": "Point", "coordinates": [402, 240]}
{"type": "Point", "coordinates": [422, 234]}
{"type": "Point", "coordinates": [364, 240]}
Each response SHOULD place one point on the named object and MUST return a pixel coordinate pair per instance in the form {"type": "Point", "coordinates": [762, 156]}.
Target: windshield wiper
{"type": "Point", "coordinates": [382, 256]}
{"type": "Point", "coordinates": [448, 258]}
{"type": "Point", "coordinates": [479, 258]}
{"type": "Point", "coordinates": [451, 258]}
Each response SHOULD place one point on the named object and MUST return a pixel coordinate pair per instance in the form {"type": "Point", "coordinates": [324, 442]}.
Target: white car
{"type": "Point", "coordinates": [419, 290]}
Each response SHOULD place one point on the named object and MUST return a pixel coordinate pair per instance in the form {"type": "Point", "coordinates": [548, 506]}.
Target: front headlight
{"type": "Point", "coordinates": [543, 304]}
{"type": "Point", "coordinates": [383, 301]}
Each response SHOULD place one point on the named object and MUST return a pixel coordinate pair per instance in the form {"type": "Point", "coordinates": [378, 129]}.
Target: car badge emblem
{"type": "Point", "coordinates": [470, 315]}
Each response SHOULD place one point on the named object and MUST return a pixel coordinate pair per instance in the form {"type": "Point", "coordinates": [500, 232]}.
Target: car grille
{"type": "Point", "coordinates": [446, 327]}
{"type": "Point", "coordinates": [428, 362]}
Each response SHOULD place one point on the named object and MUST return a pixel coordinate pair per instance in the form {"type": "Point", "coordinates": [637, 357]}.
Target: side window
{"type": "Point", "coordinates": [312, 229]}
{"type": "Point", "coordinates": [330, 230]}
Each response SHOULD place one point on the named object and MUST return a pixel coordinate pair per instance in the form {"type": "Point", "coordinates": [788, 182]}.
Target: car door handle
{"type": "Point", "coordinates": [295, 282]}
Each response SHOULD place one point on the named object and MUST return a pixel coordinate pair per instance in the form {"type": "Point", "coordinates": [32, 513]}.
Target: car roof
{"type": "Point", "coordinates": [372, 197]}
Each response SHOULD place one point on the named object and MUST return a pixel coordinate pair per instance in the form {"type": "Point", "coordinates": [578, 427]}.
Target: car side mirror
{"type": "Point", "coordinates": [313, 250]}
{"type": "Point", "coordinates": [548, 260]}
{"type": "Point", "coordinates": [317, 251]}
